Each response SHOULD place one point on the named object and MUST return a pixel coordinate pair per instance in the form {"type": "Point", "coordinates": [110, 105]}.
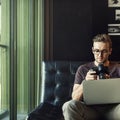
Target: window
{"type": "Point", "coordinates": [21, 40]}
{"type": "Point", "coordinates": [4, 64]}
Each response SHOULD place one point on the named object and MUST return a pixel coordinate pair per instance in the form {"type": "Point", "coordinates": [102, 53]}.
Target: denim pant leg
{"type": "Point", "coordinates": [77, 110]}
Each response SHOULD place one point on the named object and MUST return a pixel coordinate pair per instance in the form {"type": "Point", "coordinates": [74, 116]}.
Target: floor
{"type": "Point", "coordinates": [19, 117]}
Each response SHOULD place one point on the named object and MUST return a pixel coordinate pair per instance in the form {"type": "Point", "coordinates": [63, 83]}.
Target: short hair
{"type": "Point", "coordinates": [103, 38]}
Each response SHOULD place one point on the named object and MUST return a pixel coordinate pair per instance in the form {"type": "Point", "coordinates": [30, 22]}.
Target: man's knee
{"type": "Point", "coordinates": [71, 110]}
{"type": "Point", "coordinates": [115, 112]}
{"type": "Point", "coordinates": [66, 105]}
{"type": "Point", "coordinates": [72, 104]}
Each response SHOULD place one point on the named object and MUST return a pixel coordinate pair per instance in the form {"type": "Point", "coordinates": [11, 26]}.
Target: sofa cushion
{"type": "Point", "coordinates": [46, 111]}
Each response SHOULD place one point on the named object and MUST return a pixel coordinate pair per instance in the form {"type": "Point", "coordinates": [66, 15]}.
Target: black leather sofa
{"type": "Point", "coordinates": [56, 87]}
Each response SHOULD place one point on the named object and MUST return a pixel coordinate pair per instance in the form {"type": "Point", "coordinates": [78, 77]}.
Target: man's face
{"type": "Point", "coordinates": [101, 51]}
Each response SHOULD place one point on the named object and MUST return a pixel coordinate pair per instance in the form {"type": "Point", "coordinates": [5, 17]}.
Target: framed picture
{"type": "Point", "coordinates": [113, 3]}
{"type": "Point", "coordinates": [117, 15]}
{"type": "Point", "coordinates": [114, 29]}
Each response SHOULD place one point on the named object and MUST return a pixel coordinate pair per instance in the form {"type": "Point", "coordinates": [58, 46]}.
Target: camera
{"type": "Point", "coordinates": [101, 71]}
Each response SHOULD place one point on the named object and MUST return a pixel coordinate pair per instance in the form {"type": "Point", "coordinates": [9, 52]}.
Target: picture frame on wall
{"type": "Point", "coordinates": [113, 3]}
{"type": "Point", "coordinates": [117, 14]}
{"type": "Point", "coordinates": [114, 29]}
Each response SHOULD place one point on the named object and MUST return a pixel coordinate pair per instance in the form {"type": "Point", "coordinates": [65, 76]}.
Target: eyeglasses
{"type": "Point", "coordinates": [97, 52]}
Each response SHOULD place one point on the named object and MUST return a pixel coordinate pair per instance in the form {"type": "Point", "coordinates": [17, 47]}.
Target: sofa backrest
{"type": "Point", "coordinates": [57, 81]}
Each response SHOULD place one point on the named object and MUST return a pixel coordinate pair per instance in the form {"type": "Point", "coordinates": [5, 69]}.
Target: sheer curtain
{"type": "Point", "coordinates": [29, 50]}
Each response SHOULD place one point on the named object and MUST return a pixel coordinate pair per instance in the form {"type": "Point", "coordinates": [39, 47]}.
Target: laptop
{"type": "Point", "coordinates": [105, 91]}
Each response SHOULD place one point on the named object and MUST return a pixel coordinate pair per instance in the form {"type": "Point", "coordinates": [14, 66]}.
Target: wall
{"type": "Point", "coordinates": [74, 23]}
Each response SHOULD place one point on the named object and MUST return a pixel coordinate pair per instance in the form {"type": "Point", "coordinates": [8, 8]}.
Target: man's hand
{"type": "Point", "coordinates": [91, 75]}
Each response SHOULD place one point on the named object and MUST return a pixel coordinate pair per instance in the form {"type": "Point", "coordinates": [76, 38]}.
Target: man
{"type": "Point", "coordinates": [75, 109]}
